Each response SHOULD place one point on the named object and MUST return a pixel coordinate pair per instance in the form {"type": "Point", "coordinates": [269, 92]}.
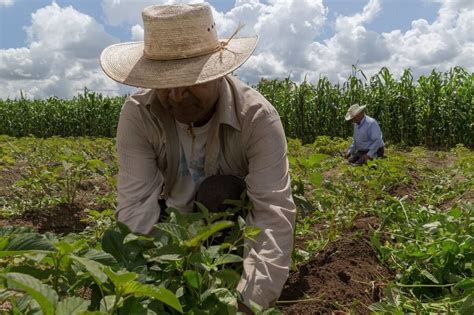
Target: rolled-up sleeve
{"type": "Point", "coordinates": [375, 135]}
{"type": "Point", "coordinates": [139, 179]}
{"type": "Point", "coordinates": [267, 260]}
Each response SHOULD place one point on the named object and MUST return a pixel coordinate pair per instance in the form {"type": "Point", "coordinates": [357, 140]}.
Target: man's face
{"type": "Point", "coordinates": [357, 118]}
{"type": "Point", "coordinates": [191, 104]}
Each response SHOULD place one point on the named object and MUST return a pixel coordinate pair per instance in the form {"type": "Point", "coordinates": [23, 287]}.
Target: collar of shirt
{"type": "Point", "coordinates": [362, 122]}
{"type": "Point", "coordinates": [225, 106]}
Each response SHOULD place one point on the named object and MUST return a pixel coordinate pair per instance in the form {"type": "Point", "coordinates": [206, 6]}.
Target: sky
{"type": "Point", "coordinates": [52, 47]}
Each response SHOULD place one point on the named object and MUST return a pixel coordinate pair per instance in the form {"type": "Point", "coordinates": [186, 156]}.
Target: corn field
{"type": "Point", "coordinates": [434, 111]}
{"type": "Point", "coordinates": [88, 114]}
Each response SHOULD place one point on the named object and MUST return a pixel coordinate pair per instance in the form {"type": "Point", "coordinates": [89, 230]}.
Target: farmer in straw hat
{"type": "Point", "coordinates": [197, 133]}
{"type": "Point", "coordinates": [367, 142]}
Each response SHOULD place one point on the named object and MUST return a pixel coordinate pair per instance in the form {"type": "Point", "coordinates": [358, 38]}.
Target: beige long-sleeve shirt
{"type": "Point", "coordinates": [246, 139]}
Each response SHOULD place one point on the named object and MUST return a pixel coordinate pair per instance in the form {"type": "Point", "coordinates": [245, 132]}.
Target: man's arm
{"type": "Point", "coordinates": [375, 135]}
{"type": "Point", "coordinates": [352, 147]}
{"type": "Point", "coordinates": [267, 260]}
{"type": "Point", "coordinates": [139, 180]}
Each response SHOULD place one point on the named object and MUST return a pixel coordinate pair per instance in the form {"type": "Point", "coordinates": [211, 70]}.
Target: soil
{"type": "Point", "coordinates": [465, 198]}
{"type": "Point", "coordinates": [345, 276]}
{"type": "Point", "coordinates": [7, 178]}
{"type": "Point", "coordinates": [432, 160]}
{"type": "Point", "coordinates": [62, 219]}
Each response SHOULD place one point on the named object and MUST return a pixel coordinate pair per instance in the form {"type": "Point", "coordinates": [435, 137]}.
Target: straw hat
{"type": "Point", "coordinates": [180, 48]}
{"type": "Point", "coordinates": [354, 110]}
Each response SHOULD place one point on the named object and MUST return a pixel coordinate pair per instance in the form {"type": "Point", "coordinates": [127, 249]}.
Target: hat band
{"type": "Point", "coordinates": [181, 55]}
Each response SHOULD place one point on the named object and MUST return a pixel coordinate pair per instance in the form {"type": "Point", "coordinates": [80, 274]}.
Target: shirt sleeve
{"type": "Point", "coordinates": [352, 146]}
{"type": "Point", "coordinates": [139, 179]}
{"type": "Point", "coordinates": [375, 135]}
{"type": "Point", "coordinates": [267, 260]}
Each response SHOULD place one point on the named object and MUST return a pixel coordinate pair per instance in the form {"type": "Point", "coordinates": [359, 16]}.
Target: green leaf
{"type": "Point", "coordinates": [208, 231]}
{"type": "Point", "coordinates": [72, 306]}
{"type": "Point", "coordinates": [230, 277]}
{"type": "Point", "coordinates": [176, 231]}
{"type": "Point", "coordinates": [99, 256]}
{"type": "Point", "coordinates": [227, 298]}
{"type": "Point", "coordinates": [119, 279]}
{"type": "Point", "coordinates": [30, 242]}
{"type": "Point", "coordinates": [432, 227]}
{"type": "Point", "coordinates": [95, 163]}
{"type": "Point", "coordinates": [12, 230]}
{"type": "Point", "coordinates": [161, 294]}
{"type": "Point", "coordinates": [125, 254]}
{"type": "Point", "coordinates": [93, 267]}
{"type": "Point", "coordinates": [170, 252]}
{"type": "Point", "coordinates": [317, 158]}
{"type": "Point", "coordinates": [250, 232]}
{"type": "Point", "coordinates": [316, 178]}
{"type": "Point", "coordinates": [450, 245]}
{"type": "Point", "coordinates": [428, 275]}
{"type": "Point", "coordinates": [133, 305]}
{"type": "Point", "coordinates": [107, 303]}
{"type": "Point", "coordinates": [193, 278]}
{"type": "Point", "coordinates": [455, 212]}
{"type": "Point", "coordinates": [465, 284]}
{"type": "Point", "coordinates": [467, 307]}
{"type": "Point", "coordinates": [133, 237]}
{"type": "Point", "coordinates": [43, 294]}
{"type": "Point", "coordinates": [227, 259]}
{"type": "Point", "coordinates": [203, 208]}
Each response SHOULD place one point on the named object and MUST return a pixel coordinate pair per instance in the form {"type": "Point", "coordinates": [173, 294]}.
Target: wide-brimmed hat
{"type": "Point", "coordinates": [180, 48]}
{"type": "Point", "coordinates": [354, 110]}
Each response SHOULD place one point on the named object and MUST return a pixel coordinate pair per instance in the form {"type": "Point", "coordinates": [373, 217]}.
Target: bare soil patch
{"type": "Point", "coordinates": [465, 198]}
{"type": "Point", "coordinates": [7, 178]}
{"type": "Point", "coordinates": [61, 219]}
{"type": "Point", "coordinates": [435, 159]}
{"type": "Point", "coordinates": [345, 276]}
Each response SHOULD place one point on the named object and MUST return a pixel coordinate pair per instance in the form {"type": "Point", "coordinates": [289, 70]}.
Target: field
{"type": "Point", "coordinates": [394, 236]}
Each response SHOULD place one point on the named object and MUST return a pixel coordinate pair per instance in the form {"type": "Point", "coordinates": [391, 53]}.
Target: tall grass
{"type": "Point", "coordinates": [436, 110]}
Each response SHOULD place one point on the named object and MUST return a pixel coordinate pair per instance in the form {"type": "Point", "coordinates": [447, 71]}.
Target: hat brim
{"type": "Point", "coordinates": [126, 64]}
{"type": "Point", "coordinates": [349, 116]}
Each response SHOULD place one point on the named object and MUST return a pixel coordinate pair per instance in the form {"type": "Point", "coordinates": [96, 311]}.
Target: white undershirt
{"type": "Point", "coordinates": [191, 165]}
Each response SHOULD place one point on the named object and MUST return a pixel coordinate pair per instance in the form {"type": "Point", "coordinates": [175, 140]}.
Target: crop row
{"type": "Point", "coordinates": [435, 111]}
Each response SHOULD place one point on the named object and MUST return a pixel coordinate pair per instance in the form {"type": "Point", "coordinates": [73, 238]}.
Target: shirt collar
{"type": "Point", "coordinates": [226, 109]}
{"type": "Point", "coordinates": [362, 121]}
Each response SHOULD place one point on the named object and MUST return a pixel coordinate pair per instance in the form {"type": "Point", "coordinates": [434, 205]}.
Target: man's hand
{"type": "Point", "coordinates": [347, 155]}
{"type": "Point", "coordinates": [367, 157]}
{"type": "Point", "coordinates": [244, 309]}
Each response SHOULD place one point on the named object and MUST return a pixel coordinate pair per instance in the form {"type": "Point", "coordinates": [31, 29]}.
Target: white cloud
{"type": "Point", "coordinates": [63, 45]}
{"type": "Point", "coordinates": [445, 43]}
{"type": "Point", "coordinates": [61, 57]}
{"type": "Point", "coordinates": [129, 11]}
{"type": "Point", "coordinates": [137, 32]}
{"type": "Point", "coordinates": [286, 28]}
{"type": "Point", "coordinates": [6, 3]}
{"type": "Point", "coordinates": [288, 42]}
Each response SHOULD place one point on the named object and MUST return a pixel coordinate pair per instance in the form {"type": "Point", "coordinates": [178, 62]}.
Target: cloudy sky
{"type": "Point", "coordinates": [52, 47]}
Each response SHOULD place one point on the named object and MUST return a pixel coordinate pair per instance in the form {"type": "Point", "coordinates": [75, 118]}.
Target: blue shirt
{"type": "Point", "coordinates": [367, 136]}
